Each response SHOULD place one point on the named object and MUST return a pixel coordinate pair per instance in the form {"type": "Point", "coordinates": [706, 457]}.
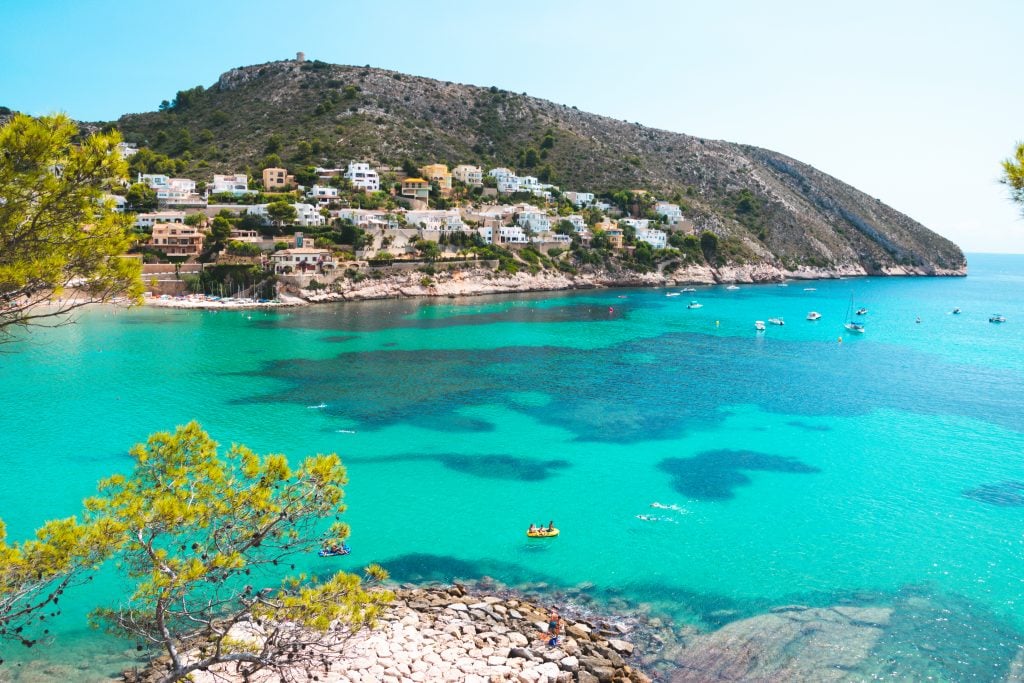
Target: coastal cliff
{"type": "Point", "coordinates": [768, 209]}
{"type": "Point", "coordinates": [482, 281]}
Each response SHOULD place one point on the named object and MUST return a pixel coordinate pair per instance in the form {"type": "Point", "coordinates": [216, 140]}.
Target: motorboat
{"type": "Point", "coordinates": [688, 289]}
{"type": "Point", "coordinates": [759, 325]}
{"type": "Point", "coordinates": [862, 311]}
{"type": "Point", "coordinates": [671, 293]}
{"type": "Point", "coordinates": [694, 304]}
{"type": "Point", "coordinates": [997, 318]}
{"type": "Point", "coordinates": [814, 315]}
{"type": "Point", "coordinates": [857, 328]}
{"type": "Point", "coordinates": [776, 321]}
{"type": "Point", "coordinates": [956, 311]}
{"type": "Point", "coordinates": [732, 287]}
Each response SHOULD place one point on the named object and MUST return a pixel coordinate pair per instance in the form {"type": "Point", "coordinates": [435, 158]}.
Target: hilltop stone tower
{"type": "Point", "coordinates": [300, 56]}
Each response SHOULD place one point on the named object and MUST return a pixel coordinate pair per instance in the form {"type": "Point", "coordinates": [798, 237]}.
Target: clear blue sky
{"type": "Point", "coordinates": [913, 101]}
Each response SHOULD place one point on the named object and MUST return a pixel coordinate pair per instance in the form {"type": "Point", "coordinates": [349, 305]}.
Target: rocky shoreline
{"type": "Point", "coordinates": [462, 281]}
{"type": "Point", "coordinates": [454, 633]}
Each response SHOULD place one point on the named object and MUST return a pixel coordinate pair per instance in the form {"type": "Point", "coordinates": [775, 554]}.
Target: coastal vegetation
{"type": "Point", "coordinates": [1013, 175]}
{"type": "Point", "coordinates": [201, 537]}
{"type": "Point", "coordinates": [61, 241]}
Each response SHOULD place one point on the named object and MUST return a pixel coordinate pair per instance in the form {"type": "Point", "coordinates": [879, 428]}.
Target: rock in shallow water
{"type": "Point", "coordinates": [818, 644]}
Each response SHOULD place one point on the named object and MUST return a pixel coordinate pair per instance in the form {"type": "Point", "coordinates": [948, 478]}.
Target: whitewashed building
{"type": "Point", "coordinates": [127, 149]}
{"type": "Point", "coordinates": [579, 199]}
{"type": "Point", "coordinates": [120, 203]}
{"type": "Point", "coordinates": [656, 238]}
{"type": "Point", "coordinates": [512, 234]}
{"type": "Point", "coordinates": [671, 212]}
{"type": "Point", "coordinates": [486, 234]}
{"type": "Point", "coordinates": [235, 183]}
{"type": "Point", "coordinates": [549, 237]}
{"type": "Point", "coordinates": [528, 183]}
{"type": "Point", "coordinates": [436, 220]}
{"type": "Point", "coordinates": [323, 194]}
{"type": "Point", "coordinates": [537, 221]}
{"type": "Point", "coordinates": [578, 224]}
{"type": "Point", "coordinates": [172, 190]}
{"type": "Point", "coordinates": [367, 218]}
{"type": "Point", "coordinates": [306, 215]}
{"type": "Point", "coordinates": [363, 177]}
{"type": "Point", "coordinates": [153, 180]}
{"type": "Point", "coordinates": [148, 220]}
{"type": "Point", "coordinates": [468, 175]}
{"type": "Point", "coordinates": [638, 223]}
{"type": "Point", "coordinates": [507, 181]}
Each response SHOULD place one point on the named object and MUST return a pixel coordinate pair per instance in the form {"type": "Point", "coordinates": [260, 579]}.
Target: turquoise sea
{"type": "Point", "coordinates": [883, 469]}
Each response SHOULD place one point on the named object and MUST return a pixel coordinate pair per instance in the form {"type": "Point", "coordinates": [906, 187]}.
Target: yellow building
{"type": "Point", "coordinates": [416, 188]}
{"type": "Point", "coordinates": [276, 178]}
{"type": "Point", "coordinates": [438, 173]}
{"type": "Point", "coordinates": [612, 231]}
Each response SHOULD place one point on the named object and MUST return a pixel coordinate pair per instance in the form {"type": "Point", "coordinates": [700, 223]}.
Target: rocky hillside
{"type": "Point", "coordinates": [782, 212]}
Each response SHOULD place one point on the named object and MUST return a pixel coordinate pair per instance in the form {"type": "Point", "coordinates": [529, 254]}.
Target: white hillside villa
{"type": "Point", "coordinates": [638, 223]}
{"type": "Point", "coordinates": [148, 220]}
{"type": "Point", "coordinates": [236, 184]}
{"type": "Point", "coordinates": [363, 177]}
{"type": "Point", "coordinates": [578, 224]}
{"type": "Point", "coordinates": [441, 221]}
{"type": "Point", "coordinates": [537, 221]}
{"type": "Point", "coordinates": [323, 194]}
{"type": "Point", "coordinates": [580, 199]}
{"type": "Point", "coordinates": [656, 238]}
{"type": "Point", "coordinates": [512, 234]}
{"type": "Point", "coordinates": [671, 212]}
{"type": "Point", "coordinates": [307, 215]}
{"type": "Point", "coordinates": [508, 182]}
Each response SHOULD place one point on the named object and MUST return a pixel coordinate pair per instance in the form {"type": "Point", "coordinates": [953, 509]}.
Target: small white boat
{"type": "Point", "coordinates": [810, 289]}
{"type": "Point", "coordinates": [688, 289]}
{"type": "Point", "coordinates": [672, 294]}
{"type": "Point", "coordinates": [814, 315]}
{"type": "Point", "coordinates": [997, 318]}
{"type": "Point", "coordinates": [782, 284]}
{"type": "Point", "coordinates": [857, 328]}
{"type": "Point", "coordinates": [694, 304]}
{"type": "Point", "coordinates": [862, 311]}
{"type": "Point", "coordinates": [759, 325]}
{"type": "Point", "coordinates": [956, 311]}
{"type": "Point", "coordinates": [776, 321]}
{"type": "Point", "coordinates": [732, 287]}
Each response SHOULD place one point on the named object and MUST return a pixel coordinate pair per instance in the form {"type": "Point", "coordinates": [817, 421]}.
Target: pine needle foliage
{"type": "Point", "coordinates": [199, 534]}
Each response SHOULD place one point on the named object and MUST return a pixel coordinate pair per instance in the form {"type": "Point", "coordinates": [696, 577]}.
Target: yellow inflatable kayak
{"type": "Point", "coordinates": [542, 533]}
